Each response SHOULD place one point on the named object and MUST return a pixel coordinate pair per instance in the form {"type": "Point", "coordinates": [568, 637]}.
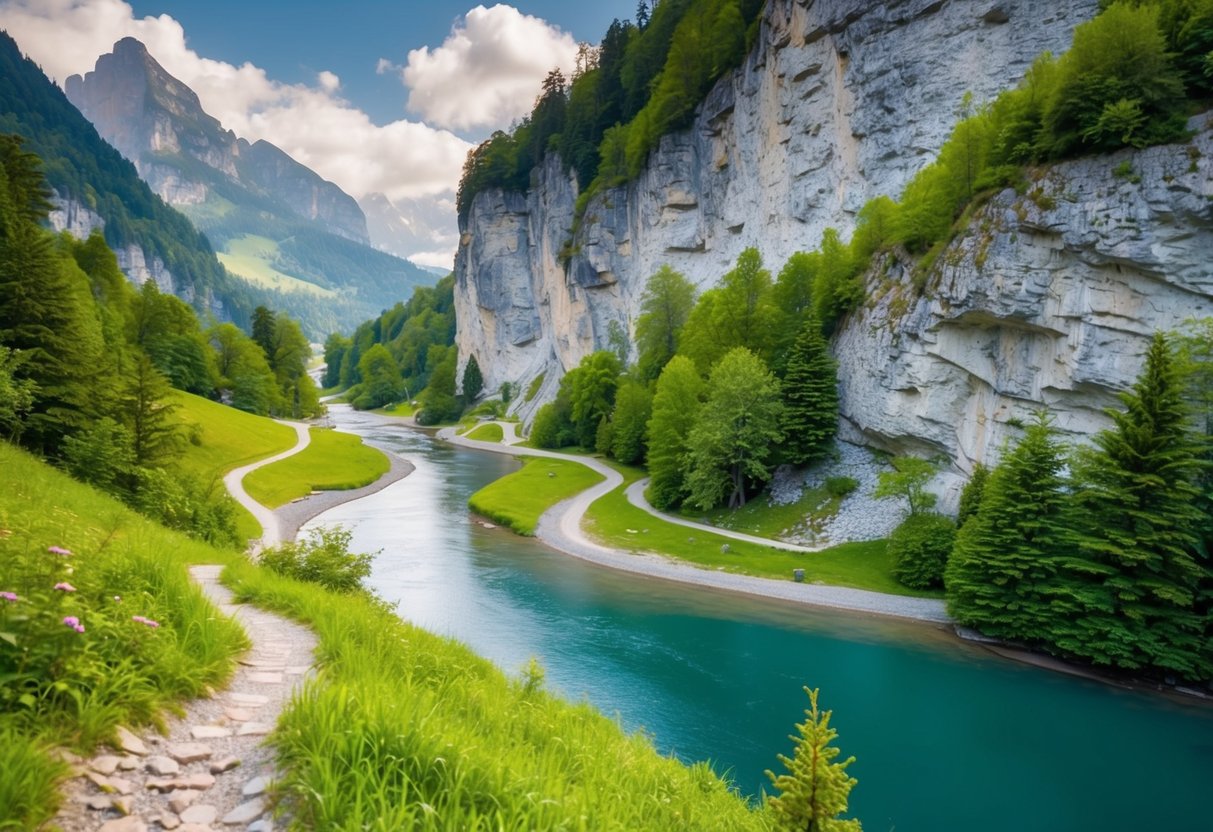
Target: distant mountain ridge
{"type": "Point", "coordinates": [273, 221]}
{"type": "Point", "coordinates": [153, 118]}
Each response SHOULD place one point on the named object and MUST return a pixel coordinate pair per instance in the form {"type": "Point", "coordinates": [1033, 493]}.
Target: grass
{"type": "Point", "coordinates": [332, 462]}
{"type": "Point", "coordinates": [613, 521]}
{"type": "Point", "coordinates": [404, 729]}
{"type": "Point", "coordinates": [398, 409]}
{"type": "Point", "coordinates": [228, 438]}
{"type": "Point", "coordinates": [487, 433]}
{"type": "Point", "coordinates": [250, 257]}
{"type": "Point", "coordinates": [759, 517]}
{"type": "Point", "coordinates": [73, 688]}
{"type": "Point", "coordinates": [518, 499]}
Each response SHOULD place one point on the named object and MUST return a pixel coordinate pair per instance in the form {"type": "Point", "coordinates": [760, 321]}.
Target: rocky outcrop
{"type": "Point", "coordinates": [158, 123]}
{"type": "Point", "coordinates": [1048, 299]}
{"type": "Point", "coordinates": [840, 101]}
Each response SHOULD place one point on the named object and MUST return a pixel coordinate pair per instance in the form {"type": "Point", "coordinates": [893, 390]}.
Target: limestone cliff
{"type": "Point", "coordinates": [839, 101]}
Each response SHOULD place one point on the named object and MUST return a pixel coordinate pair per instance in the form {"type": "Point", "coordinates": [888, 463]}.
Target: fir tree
{"type": "Point", "coordinates": [1002, 577]}
{"type": "Point", "coordinates": [1139, 537]}
{"type": "Point", "coordinates": [810, 396]}
{"type": "Point", "coordinates": [970, 497]}
{"type": "Point", "coordinates": [147, 410]}
{"type": "Point", "coordinates": [263, 332]}
{"type": "Point", "coordinates": [814, 791]}
{"type": "Point", "coordinates": [473, 381]}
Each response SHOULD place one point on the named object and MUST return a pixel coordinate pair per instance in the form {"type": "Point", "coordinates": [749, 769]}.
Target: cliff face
{"type": "Point", "coordinates": [840, 101]}
{"type": "Point", "coordinates": [158, 123]}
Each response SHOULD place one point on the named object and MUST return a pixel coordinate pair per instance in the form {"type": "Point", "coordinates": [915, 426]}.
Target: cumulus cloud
{"type": "Point", "coordinates": [311, 123]}
{"type": "Point", "coordinates": [488, 70]}
{"type": "Point", "coordinates": [383, 66]}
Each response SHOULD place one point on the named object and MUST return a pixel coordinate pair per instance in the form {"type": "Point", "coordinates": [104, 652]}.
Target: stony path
{"type": "Point", "coordinates": [271, 534]}
{"type": "Point", "coordinates": [560, 527]}
{"type": "Point", "coordinates": [211, 770]}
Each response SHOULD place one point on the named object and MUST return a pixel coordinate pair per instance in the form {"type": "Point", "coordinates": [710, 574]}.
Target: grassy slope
{"type": "Point", "coordinates": [251, 257]}
{"type": "Point", "coordinates": [229, 438]}
{"type": "Point", "coordinates": [516, 500]}
{"type": "Point", "coordinates": [408, 730]}
{"type": "Point", "coordinates": [332, 462]}
{"type": "Point", "coordinates": [487, 433]}
{"type": "Point", "coordinates": [81, 685]}
{"type": "Point", "coordinates": [863, 565]}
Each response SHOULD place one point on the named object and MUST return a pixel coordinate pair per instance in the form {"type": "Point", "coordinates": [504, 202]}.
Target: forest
{"type": "Point", "coordinates": [88, 362]}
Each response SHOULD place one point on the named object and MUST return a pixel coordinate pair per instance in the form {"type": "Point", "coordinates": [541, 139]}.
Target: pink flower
{"type": "Point", "coordinates": [59, 550]}
{"type": "Point", "coordinates": [64, 586]}
{"type": "Point", "coordinates": [73, 622]}
{"type": "Point", "coordinates": [11, 597]}
{"type": "Point", "coordinates": [140, 619]}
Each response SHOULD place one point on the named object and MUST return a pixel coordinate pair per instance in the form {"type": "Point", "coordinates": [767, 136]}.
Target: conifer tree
{"type": "Point", "coordinates": [676, 406]}
{"type": "Point", "coordinates": [263, 331]}
{"type": "Point", "coordinates": [810, 396]}
{"type": "Point", "coordinates": [147, 411]}
{"type": "Point", "coordinates": [814, 791]}
{"type": "Point", "coordinates": [473, 380]}
{"type": "Point", "coordinates": [1002, 577]}
{"type": "Point", "coordinates": [1138, 540]}
{"type": "Point", "coordinates": [970, 497]}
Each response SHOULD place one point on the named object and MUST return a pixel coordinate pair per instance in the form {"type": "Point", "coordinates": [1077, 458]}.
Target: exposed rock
{"type": "Point", "coordinates": [200, 813]}
{"type": "Point", "coordinates": [189, 752]}
{"type": "Point", "coordinates": [254, 729]}
{"type": "Point", "coordinates": [256, 786]}
{"type": "Point", "coordinates": [263, 825]}
{"type": "Point", "coordinates": [167, 820]}
{"type": "Point", "coordinates": [99, 802]}
{"type": "Point", "coordinates": [163, 766]}
{"type": "Point", "coordinates": [840, 101]}
{"type": "Point", "coordinates": [105, 764]}
{"type": "Point", "coordinates": [224, 764]}
{"type": "Point", "coordinates": [129, 743]}
{"type": "Point", "coordinates": [126, 824]}
{"type": "Point", "coordinates": [210, 732]}
{"type": "Point", "coordinates": [181, 800]}
{"type": "Point", "coordinates": [245, 813]}
{"type": "Point", "coordinates": [249, 700]}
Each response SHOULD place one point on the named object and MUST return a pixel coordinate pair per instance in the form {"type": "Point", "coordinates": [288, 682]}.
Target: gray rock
{"type": "Point", "coordinates": [210, 732]}
{"type": "Point", "coordinates": [245, 812]}
{"type": "Point", "coordinates": [130, 823]}
{"type": "Point", "coordinates": [189, 752]}
{"type": "Point", "coordinates": [181, 800]}
{"type": "Point", "coordinates": [200, 813]}
{"type": "Point", "coordinates": [163, 766]}
{"type": "Point", "coordinates": [256, 786]}
{"type": "Point", "coordinates": [254, 729]}
{"type": "Point", "coordinates": [106, 764]}
{"type": "Point", "coordinates": [263, 825]}
{"type": "Point", "coordinates": [130, 743]}
{"type": "Point", "coordinates": [224, 764]}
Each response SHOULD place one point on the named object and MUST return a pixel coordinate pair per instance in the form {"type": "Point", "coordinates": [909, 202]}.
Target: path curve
{"type": "Point", "coordinates": [560, 527]}
{"type": "Point", "coordinates": [271, 532]}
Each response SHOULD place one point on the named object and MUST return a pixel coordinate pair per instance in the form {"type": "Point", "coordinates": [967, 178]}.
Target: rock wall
{"type": "Point", "coordinates": [840, 101]}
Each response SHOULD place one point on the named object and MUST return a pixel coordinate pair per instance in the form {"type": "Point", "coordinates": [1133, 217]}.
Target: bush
{"type": "Point", "coordinates": [841, 486]}
{"type": "Point", "coordinates": [919, 548]}
{"type": "Point", "coordinates": [323, 558]}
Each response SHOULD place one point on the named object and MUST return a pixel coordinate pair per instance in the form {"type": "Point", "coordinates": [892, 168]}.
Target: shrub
{"type": "Point", "coordinates": [841, 486]}
{"type": "Point", "coordinates": [323, 558]}
{"type": "Point", "coordinates": [919, 548]}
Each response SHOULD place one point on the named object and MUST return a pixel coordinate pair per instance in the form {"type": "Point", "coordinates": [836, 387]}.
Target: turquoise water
{"type": "Point", "coordinates": [947, 737]}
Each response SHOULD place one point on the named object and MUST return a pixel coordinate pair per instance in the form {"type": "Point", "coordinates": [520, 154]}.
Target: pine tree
{"type": "Point", "coordinates": [1140, 531]}
{"type": "Point", "coordinates": [263, 331]}
{"type": "Point", "coordinates": [814, 791]}
{"type": "Point", "coordinates": [473, 381]}
{"type": "Point", "coordinates": [810, 397]}
{"type": "Point", "coordinates": [147, 411]}
{"type": "Point", "coordinates": [1002, 577]}
{"type": "Point", "coordinates": [970, 497]}
{"type": "Point", "coordinates": [676, 406]}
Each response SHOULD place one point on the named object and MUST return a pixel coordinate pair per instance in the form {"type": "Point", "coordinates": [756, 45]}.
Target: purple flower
{"type": "Point", "coordinates": [59, 550]}
{"type": "Point", "coordinates": [11, 597]}
{"type": "Point", "coordinates": [64, 586]}
{"type": "Point", "coordinates": [147, 621]}
{"type": "Point", "coordinates": [73, 622]}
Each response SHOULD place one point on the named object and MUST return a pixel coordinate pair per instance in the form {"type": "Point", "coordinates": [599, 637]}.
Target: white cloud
{"type": "Point", "coordinates": [489, 69]}
{"type": "Point", "coordinates": [311, 123]}
{"type": "Point", "coordinates": [383, 66]}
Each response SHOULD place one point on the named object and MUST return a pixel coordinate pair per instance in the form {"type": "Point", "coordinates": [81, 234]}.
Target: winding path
{"type": "Point", "coordinates": [560, 527]}
{"type": "Point", "coordinates": [271, 532]}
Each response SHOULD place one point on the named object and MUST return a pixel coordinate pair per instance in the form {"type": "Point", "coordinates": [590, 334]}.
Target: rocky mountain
{"type": "Point", "coordinates": [274, 222]}
{"type": "Point", "coordinates": [95, 188]}
{"type": "Point", "coordinates": [1041, 303]}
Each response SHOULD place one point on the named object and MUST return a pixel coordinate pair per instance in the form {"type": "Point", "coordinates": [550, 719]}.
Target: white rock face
{"type": "Point", "coordinates": [1047, 300]}
{"type": "Point", "coordinates": [840, 101]}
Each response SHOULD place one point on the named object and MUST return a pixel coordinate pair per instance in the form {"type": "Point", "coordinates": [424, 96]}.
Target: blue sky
{"type": "Point", "coordinates": [293, 41]}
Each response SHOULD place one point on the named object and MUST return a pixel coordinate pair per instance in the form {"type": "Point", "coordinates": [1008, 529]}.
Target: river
{"type": "Point", "coordinates": [948, 738]}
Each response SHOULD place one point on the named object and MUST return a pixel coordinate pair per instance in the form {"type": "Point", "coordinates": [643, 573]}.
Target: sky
{"type": "Point", "coordinates": [377, 96]}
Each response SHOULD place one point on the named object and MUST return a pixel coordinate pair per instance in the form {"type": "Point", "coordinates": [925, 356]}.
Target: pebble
{"type": "Point", "coordinates": [126, 824]}
{"type": "Point", "coordinates": [224, 764]}
{"type": "Point", "coordinates": [256, 786]}
{"type": "Point", "coordinates": [245, 812]}
{"type": "Point", "coordinates": [99, 802]}
{"type": "Point", "coordinates": [100, 782]}
{"type": "Point", "coordinates": [209, 732]}
{"type": "Point", "coordinates": [189, 752]}
{"type": "Point", "coordinates": [263, 825]}
{"type": "Point", "coordinates": [254, 729]}
{"type": "Point", "coordinates": [200, 813]}
{"type": "Point", "coordinates": [167, 820]}
{"type": "Point", "coordinates": [131, 744]}
{"type": "Point", "coordinates": [238, 714]}
{"type": "Point", "coordinates": [106, 764]}
{"type": "Point", "coordinates": [129, 763]}
{"type": "Point", "coordinates": [163, 766]}
{"type": "Point", "coordinates": [181, 800]}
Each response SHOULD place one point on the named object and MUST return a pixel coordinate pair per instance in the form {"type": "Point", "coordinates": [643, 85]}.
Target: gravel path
{"type": "Point", "coordinates": [560, 527]}
{"type": "Point", "coordinates": [211, 770]}
{"type": "Point", "coordinates": [292, 516]}
{"type": "Point", "coordinates": [271, 533]}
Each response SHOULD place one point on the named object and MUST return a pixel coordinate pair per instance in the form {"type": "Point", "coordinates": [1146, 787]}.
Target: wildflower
{"type": "Point", "coordinates": [64, 586]}
{"type": "Point", "coordinates": [118, 599]}
{"type": "Point", "coordinates": [73, 622]}
{"type": "Point", "coordinates": [59, 550]}
{"type": "Point", "coordinates": [140, 619]}
{"type": "Point", "coordinates": [11, 597]}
